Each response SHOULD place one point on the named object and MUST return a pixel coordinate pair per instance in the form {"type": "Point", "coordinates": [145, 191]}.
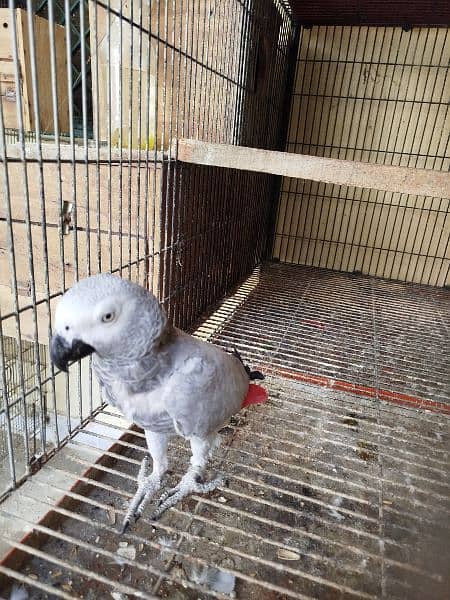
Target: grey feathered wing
{"type": "Point", "coordinates": [207, 386]}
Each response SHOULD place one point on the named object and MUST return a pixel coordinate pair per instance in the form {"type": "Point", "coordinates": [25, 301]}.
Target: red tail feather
{"type": "Point", "coordinates": [255, 395]}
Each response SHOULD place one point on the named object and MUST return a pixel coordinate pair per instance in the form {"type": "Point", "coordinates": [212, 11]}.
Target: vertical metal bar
{"type": "Point", "coordinates": [68, 24]}
{"type": "Point", "coordinates": [157, 190]}
{"type": "Point", "coordinates": [139, 146]}
{"type": "Point", "coordinates": [351, 196]}
{"type": "Point", "coordinates": [397, 133]}
{"type": "Point", "coordinates": [130, 134]}
{"type": "Point", "coordinates": [287, 109]}
{"type": "Point", "coordinates": [434, 161]}
{"type": "Point", "coordinates": [187, 38]}
{"type": "Point", "coordinates": [170, 191]}
{"type": "Point", "coordinates": [394, 112]}
{"type": "Point", "coordinates": [120, 216]}
{"type": "Point", "coordinates": [54, 85]}
{"type": "Point", "coordinates": [343, 191]}
{"type": "Point", "coordinates": [220, 29]}
{"type": "Point", "coordinates": [12, 261]}
{"type": "Point", "coordinates": [366, 204]}
{"type": "Point", "coordinates": [55, 104]}
{"type": "Point", "coordinates": [160, 191]}
{"type": "Point", "coordinates": [203, 72]}
{"type": "Point", "coordinates": [96, 119]}
{"type": "Point", "coordinates": [182, 174]}
{"type": "Point", "coordinates": [211, 92]}
{"type": "Point", "coordinates": [288, 214]}
{"type": "Point", "coordinates": [86, 167]}
{"type": "Point", "coordinates": [109, 110]}
{"type": "Point", "coordinates": [195, 53]}
{"type": "Point", "coordinates": [37, 125]}
{"type": "Point", "coordinates": [313, 185]}
{"type": "Point", "coordinates": [177, 9]}
{"type": "Point", "coordinates": [231, 55]}
{"type": "Point", "coordinates": [168, 209]}
{"type": "Point", "coordinates": [149, 234]}
{"type": "Point", "coordinates": [85, 136]}
{"type": "Point", "coordinates": [20, 120]}
{"type": "Point", "coordinates": [223, 187]}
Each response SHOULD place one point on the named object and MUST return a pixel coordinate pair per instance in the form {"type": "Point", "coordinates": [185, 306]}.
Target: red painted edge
{"type": "Point", "coordinates": [397, 398]}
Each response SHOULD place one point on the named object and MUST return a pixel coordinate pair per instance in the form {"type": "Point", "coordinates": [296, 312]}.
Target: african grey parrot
{"type": "Point", "coordinates": [161, 378]}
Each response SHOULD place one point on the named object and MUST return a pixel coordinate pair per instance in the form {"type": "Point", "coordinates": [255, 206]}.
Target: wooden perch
{"type": "Point", "coordinates": [405, 180]}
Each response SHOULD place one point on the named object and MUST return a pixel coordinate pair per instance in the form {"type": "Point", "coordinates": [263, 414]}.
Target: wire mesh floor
{"type": "Point", "coordinates": [331, 494]}
{"type": "Point", "coordinates": [388, 339]}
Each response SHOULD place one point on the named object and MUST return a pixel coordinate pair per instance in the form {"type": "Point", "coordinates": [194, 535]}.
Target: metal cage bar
{"type": "Point", "coordinates": [377, 95]}
{"type": "Point", "coordinates": [112, 197]}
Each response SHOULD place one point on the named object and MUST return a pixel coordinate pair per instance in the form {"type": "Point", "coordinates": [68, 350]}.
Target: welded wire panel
{"type": "Point", "coordinates": [374, 94]}
{"type": "Point", "coordinates": [330, 494]}
{"type": "Point", "coordinates": [89, 184]}
{"type": "Point", "coordinates": [379, 338]}
{"type": "Point", "coordinates": [219, 235]}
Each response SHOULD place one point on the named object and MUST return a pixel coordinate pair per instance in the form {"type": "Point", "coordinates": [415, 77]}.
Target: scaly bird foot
{"type": "Point", "coordinates": [148, 485]}
{"type": "Point", "coordinates": [191, 483]}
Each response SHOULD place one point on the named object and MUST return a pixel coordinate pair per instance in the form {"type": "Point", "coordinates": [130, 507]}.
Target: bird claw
{"type": "Point", "coordinates": [148, 485]}
{"type": "Point", "coordinates": [126, 523]}
{"type": "Point", "coordinates": [188, 485]}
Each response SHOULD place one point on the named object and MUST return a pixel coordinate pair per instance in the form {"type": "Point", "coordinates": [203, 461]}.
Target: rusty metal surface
{"type": "Point", "coordinates": [365, 12]}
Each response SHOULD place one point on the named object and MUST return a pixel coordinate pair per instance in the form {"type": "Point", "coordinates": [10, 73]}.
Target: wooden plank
{"type": "Point", "coordinates": [49, 152]}
{"type": "Point", "coordinates": [388, 178]}
{"type": "Point", "coordinates": [156, 77]}
{"type": "Point", "coordinates": [7, 72]}
{"type": "Point", "coordinates": [121, 191]}
{"type": "Point", "coordinates": [42, 49]}
{"type": "Point", "coordinates": [43, 69]}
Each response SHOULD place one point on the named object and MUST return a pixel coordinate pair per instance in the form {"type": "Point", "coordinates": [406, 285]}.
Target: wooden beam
{"type": "Point", "coordinates": [50, 153]}
{"type": "Point", "coordinates": [405, 180]}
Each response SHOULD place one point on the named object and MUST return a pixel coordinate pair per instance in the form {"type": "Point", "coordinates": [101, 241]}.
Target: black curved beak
{"type": "Point", "coordinates": [62, 353]}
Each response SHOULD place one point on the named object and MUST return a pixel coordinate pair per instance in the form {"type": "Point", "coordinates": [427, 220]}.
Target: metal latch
{"type": "Point", "coordinates": [67, 223]}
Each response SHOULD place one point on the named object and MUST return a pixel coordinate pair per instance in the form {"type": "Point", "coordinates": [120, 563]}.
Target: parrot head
{"type": "Point", "coordinates": [113, 317]}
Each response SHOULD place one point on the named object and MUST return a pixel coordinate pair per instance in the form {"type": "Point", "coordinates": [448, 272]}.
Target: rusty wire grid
{"type": "Point", "coordinates": [330, 494]}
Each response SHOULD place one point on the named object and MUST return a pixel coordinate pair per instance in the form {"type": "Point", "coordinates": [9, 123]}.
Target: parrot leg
{"type": "Point", "coordinates": [148, 485]}
{"type": "Point", "coordinates": [192, 480]}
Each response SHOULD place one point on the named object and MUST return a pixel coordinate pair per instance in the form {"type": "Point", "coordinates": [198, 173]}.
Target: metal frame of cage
{"type": "Point", "coordinates": [233, 75]}
{"type": "Point", "coordinates": [122, 201]}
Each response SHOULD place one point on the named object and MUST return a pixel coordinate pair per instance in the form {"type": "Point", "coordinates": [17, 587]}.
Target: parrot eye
{"type": "Point", "coordinates": [108, 317]}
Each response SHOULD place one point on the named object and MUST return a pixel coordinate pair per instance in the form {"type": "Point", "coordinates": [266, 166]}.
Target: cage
{"type": "Point", "coordinates": [276, 173]}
